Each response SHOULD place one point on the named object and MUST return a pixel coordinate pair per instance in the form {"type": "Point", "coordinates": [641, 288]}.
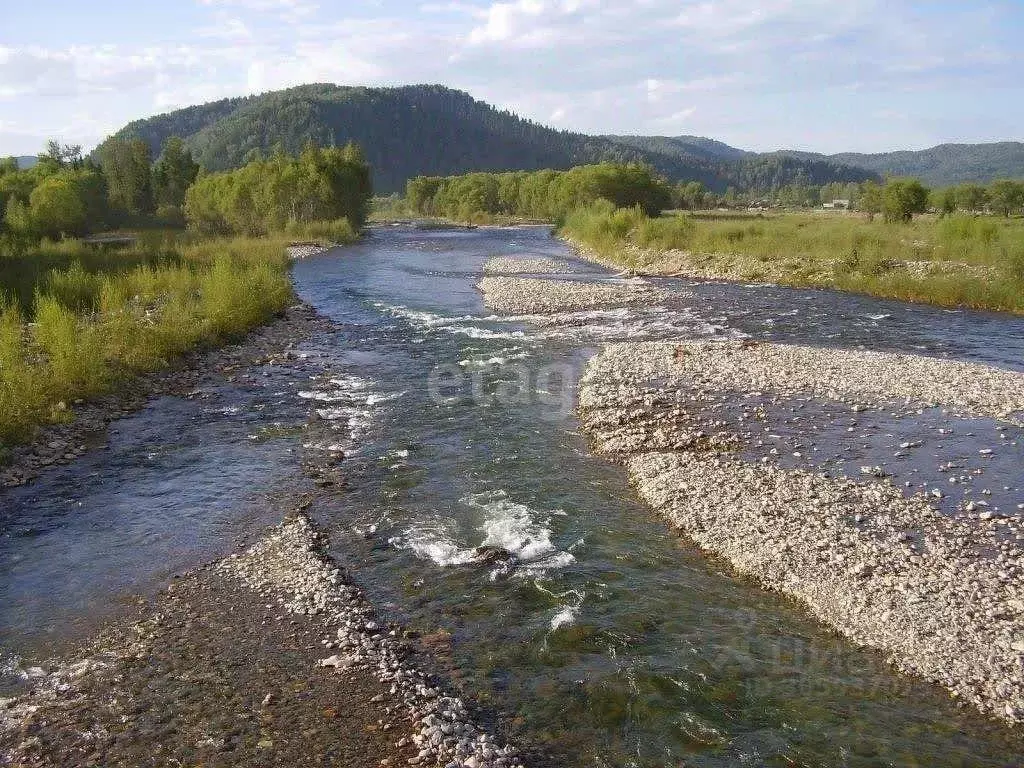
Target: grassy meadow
{"type": "Point", "coordinates": [959, 260]}
{"type": "Point", "coordinates": [77, 321]}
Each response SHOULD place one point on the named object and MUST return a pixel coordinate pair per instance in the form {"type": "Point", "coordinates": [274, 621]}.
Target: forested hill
{"type": "Point", "coordinates": [432, 130]}
{"type": "Point", "coordinates": [947, 164]}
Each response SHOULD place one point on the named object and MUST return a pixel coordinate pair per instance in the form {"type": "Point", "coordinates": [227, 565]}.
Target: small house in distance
{"type": "Point", "coordinates": [840, 205]}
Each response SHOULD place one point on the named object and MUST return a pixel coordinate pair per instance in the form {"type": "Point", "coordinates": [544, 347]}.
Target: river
{"type": "Point", "coordinates": [606, 639]}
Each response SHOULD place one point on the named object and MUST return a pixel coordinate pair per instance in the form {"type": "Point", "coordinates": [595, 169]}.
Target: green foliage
{"type": "Point", "coordinates": [92, 330]}
{"type": "Point", "coordinates": [56, 208]}
{"type": "Point", "coordinates": [971, 197]}
{"type": "Point", "coordinates": [338, 231]}
{"type": "Point", "coordinates": [267, 195]}
{"type": "Point", "coordinates": [74, 288]}
{"type": "Point", "coordinates": [944, 201]}
{"type": "Point", "coordinates": [902, 198]}
{"type": "Point", "coordinates": [691, 196]}
{"type": "Point", "coordinates": [429, 130]}
{"type": "Point", "coordinates": [174, 172]}
{"type": "Point", "coordinates": [956, 261]}
{"type": "Point", "coordinates": [1006, 196]}
{"type": "Point", "coordinates": [74, 349]}
{"type": "Point", "coordinates": [543, 194]}
{"type": "Point", "coordinates": [126, 164]}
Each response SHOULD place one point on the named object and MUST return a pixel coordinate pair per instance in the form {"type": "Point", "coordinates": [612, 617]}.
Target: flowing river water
{"type": "Point", "coordinates": [592, 632]}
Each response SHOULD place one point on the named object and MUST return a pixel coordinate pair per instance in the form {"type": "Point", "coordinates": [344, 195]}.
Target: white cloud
{"type": "Point", "coordinates": [754, 72]}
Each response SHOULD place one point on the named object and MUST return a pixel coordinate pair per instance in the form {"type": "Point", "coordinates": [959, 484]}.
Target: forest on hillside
{"type": "Point", "coordinates": [436, 131]}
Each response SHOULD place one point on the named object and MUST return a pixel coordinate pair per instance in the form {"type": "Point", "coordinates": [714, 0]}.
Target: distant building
{"type": "Point", "coordinates": [843, 205]}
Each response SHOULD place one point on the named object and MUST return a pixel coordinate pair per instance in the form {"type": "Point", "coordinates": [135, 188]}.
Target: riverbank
{"type": "Point", "coordinates": [271, 656]}
{"type": "Point", "coordinates": [959, 262]}
{"type": "Point", "coordinates": [941, 596]}
{"type": "Point", "coordinates": [63, 443]}
{"type": "Point", "coordinates": [91, 327]}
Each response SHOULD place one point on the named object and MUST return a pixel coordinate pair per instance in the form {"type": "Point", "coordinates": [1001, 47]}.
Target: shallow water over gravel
{"type": "Point", "coordinates": [600, 637]}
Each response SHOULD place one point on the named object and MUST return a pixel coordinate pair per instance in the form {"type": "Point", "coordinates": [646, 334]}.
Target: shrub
{"type": "Point", "coordinates": [75, 288]}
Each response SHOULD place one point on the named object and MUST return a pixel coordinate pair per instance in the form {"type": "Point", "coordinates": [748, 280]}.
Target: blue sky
{"type": "Point", "coordinates": [835, 75]}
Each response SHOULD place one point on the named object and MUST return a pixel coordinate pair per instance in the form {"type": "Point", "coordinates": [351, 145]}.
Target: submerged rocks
{"type": "Point", "coordinates": [943, 597]}
{"type": "Point", "coordinates": [276, 630]}
{"type": "Point", "coordinates": [523, 295]}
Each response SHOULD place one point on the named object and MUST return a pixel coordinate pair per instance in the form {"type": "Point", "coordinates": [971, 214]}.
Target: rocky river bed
{"type": "Point", "coordinates": [269, 656]}
{"type": "Point", "coordinates": [446, 511]}
{"type": "Point", "coordinates": [943, 597]}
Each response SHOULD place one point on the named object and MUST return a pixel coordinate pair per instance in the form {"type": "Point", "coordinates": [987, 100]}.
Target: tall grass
{"type": "Point", "coordinates": [958, 261]}
{"type": "Point", "coordinates": [87, 330]}
{"type": "Point", "coordinates": [336, 232]}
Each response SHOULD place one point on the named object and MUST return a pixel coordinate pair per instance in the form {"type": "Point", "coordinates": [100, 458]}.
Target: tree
{"type": "Point", "coordinates": [691, 195]}
{"type": "Point", "coordinates": [902, 198]}
{"type": "Point", "coordinates": [174, 172]}
{"type": "Point", "coordinates": [126, 164]}
{"type": "Point", "coordinates": [18, 219]}
{"type": "Point", "coordinates": [971, 197]}
{"type": "Point", "coordinates": [62, 155]}
{"type": "Point", "coordinates": [871, 199]}
{"type": "Point", "coordinates": [270, 195]}
{"type": "Point", "coordinates": [944, 201]}
{"type": "Point", "coordinates": [56, 207]}
{"type": "Point", "coordinates": [1006, 196]}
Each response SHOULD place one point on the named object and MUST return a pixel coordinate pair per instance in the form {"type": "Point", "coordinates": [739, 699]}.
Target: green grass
{"type": "Point", "coordinates": [975, 262]}
{"type": "Point", "coordinates": [337, 232]}
{"type": "Point", "coordinates": [95, 319]}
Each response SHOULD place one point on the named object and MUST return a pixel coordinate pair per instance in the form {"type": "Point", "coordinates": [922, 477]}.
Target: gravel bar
{"type": "Point", "coordinates": [943, 597]}
{"type": "Point", "coordinates": [522, 295]}
{"type": "Point", "coordinates": [305, 250]}
{"type": "Point", "coordinates": [290, 565]}
{"type": "Point", "coordinates": [855, 377]}
{"type": "Point", "coordinates": [513, 266]}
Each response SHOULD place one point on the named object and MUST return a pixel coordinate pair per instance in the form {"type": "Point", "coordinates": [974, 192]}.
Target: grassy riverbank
{"type": "Point", "coordinates": [967, 261]}
{"type": "Point", "coordinates": [76, 322]}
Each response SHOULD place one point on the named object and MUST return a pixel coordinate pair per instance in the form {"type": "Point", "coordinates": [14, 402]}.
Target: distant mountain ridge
{"type": "Point", "coordinates": [433, 130]}
{"type": "Point", "coordinates": [947, 164]}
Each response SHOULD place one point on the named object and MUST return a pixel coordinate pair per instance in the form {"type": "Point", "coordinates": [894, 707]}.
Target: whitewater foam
{"type": "Point", "coordinates": [521, 532]}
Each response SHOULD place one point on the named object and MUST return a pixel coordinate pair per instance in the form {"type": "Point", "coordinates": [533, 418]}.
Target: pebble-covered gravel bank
{"type": "Point", "coordinates": [87, 430]}
{"type": "Point", "coordinates": [289, 566]}
{"type": "Point", "coordinates": [856, 377]}
{"type": "Point", "coordinates": [522, 295]}
{"type": "Point", "coordinates": [305, 250]}
{"type": "Point", "coordinates": [513, 266]}
{"type": "Point", "coordinates": [943, 597]}
{"type": "Point", "coordinates": [269, 657]}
